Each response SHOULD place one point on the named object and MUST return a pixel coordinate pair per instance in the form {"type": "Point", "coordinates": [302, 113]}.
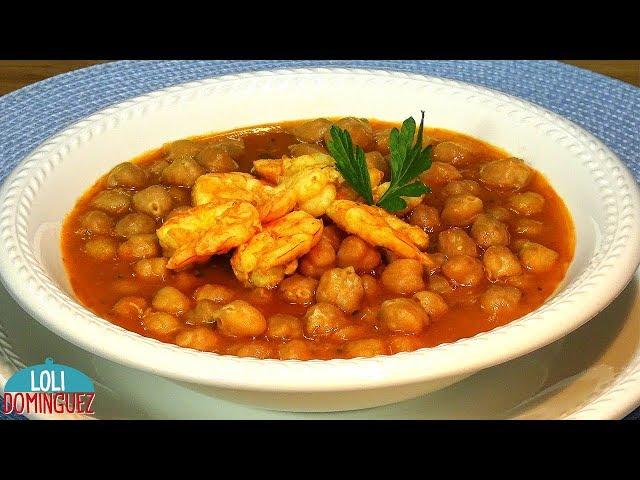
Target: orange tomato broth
{"type": "Point", "coordinates": [100, 284]}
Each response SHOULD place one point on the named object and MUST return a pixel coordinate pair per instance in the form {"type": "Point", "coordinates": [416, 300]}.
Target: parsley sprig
{"type": "Point", "coordinates": [408, 160]}
{"type": "Point", "coordinates": [350, 162]}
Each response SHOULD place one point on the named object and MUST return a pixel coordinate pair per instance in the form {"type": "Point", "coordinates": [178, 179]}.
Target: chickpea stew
{"type": "Point", "coordinates": [251, 243]}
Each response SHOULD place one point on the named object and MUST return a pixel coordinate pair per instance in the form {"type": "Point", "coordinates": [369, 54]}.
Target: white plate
{"type": "Point", "coordinates": [600, 193]}
{"type": "Point", "coordinates": [593, 373]}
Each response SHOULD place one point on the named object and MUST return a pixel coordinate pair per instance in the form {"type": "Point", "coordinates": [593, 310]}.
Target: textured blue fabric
{"type": "Point", "coordinates": [608, 108]}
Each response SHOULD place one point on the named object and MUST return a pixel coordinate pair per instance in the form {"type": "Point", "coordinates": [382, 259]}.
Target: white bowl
{"type": "Point", "coordinates": [600, 193]}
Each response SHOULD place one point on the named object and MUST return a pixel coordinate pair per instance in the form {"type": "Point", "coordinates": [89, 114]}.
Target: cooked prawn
{"type": "Point", "coordinates": [309, 181]}
{"type": "Point", "coordinates": [228, 186]}
{"type": "Point", "coordinates": [273, 253]}
{"type": "Point", "coordinates": [196, 234]}
{"type": "Point", "coordinates": [379, 228]}
{"type": "Point", "coordinates": [270, 203]}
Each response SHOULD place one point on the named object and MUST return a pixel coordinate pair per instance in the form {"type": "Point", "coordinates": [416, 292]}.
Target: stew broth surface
{"type": "Point", "coordinates": [100, 283]}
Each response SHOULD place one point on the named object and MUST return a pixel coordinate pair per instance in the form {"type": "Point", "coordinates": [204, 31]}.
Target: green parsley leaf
{"type": "Point", "coordinates": [350, 162]}
{"type": "Point", "coordinates": [408, 161]}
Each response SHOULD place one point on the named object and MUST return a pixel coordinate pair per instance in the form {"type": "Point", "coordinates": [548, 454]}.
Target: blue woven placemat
{"type": "Point", "coordinates": [608, 108]}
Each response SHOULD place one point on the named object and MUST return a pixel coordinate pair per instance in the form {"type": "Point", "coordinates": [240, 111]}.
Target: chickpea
{"type": "Point", "coordinates": [154, 201]}
{"type": "Point", "coordinates": [261, 295]}
{"type": "Point", "coordinates": [312, 131]}
{"type": "Point", "coordinates": [101, 248]}
{"type": "Point", "coordinates": [295, 350]}
{"type": "Point", "coordinates": [240, 319]}
{"type": "Point", "coordinates": [488, 231]}
{"type": "Point", "coordinates": [440, 173]}
{"type": "Point", "coordinates": [461, 210]}
{"type": "Point", "coordinates": [369, 347]}
{"type": "Point", "coordinates": [161, 323]}
{"type": "Point", "coordinates": [333, 235]}
{"type": "Point", "coordinates": [184, 281]}
{"type": "Point", "coordinates": [425, 217]}
{"type": "Point", "coordinates": [216, 160]}
{"type": "Point", "coordinates": [359, 129]}
{"type": "Point", "coordinates": [352, 332]}
{"type": "Point", "coordinates": [526, 281]}
{"type": "Point", "coordinates": [199, 338]}
{"type": "Point", "coordinates": [499, 298]}
{"type": "Point", "coordinates": [464, 270]}
{"type": "Point", "coordinates": [371, 287]}
{"type": "Point", "coordinates": [323, 319]}
{"type": "Point", "coordinates": [233, 146]}
{"type": "Point", "coordinates": [500, 262]}
{"type": "Point", "coordinates": [256, 349]}
{"type": "Point", "coordinates": [135, 224]}
{"type": "Point", "coordinates": [154, 170]}
{"type": "Point", "coordinates": [526, 203]}
{"type": "Point", "coordinates": [299, 149]}
{"type": "Point", "coordinates": [432, 303]}
{"type": "Point", "coordinates": [403, 276]}
{"type": "Point", "coordinates": [140, 246]}
{"type": "Point", "coordinates": [376, 160]}
{"type": "Point", "coordinates": [341, 287]}
{"type": "Point", "coordinates": [125, 286]}
{"type": "Point", "coordinates": [499, 213]}
{"type": "Point", "coordinates": [183, 173]}
{"type": "Point", "coordinates": [97, 223]}
{"type": "Point", "coordinates": [368, 315]}
{"type": "Point", "coordinates": [130, 307]}
{"type": "Point", "coordinates": [284, 327]}
{"type": "Point", "coordinates": [403, 315]}
{"type": "Point", "coordinates": [214, 292]}
{"type": "Point", "coordinates": [180, 196]}
{"type": "Point", "coordinates": [114, 202]}
{"type": "Point", "coordinates": [508, 173]}
{"type": "Point", "coordinates": [127, 175]}
{"type": "Point", "coordinates": [528, 227]}
{"type": "Point", "coordinates": [151, 268]}
{"type": "Point", "coordinates": [320, 258]}
{"type": "Point", "coordinates": [455, 241]}
{"type": "Point", "coordinates": [182, 150]}
{"type": "Point", "coordinates": [298, 289]}
{"type": "Point", "coordinates": [205, 311]}
{"type": "Point", "coordinates": [459, 187]}
{"type": "Point", "coordinates": [404, 343]}
{"type": "Point", "coordinates": [355, 252]}
{"type": "Point", "coordinates": [451, 152]}
{"type": "Point", "coordinates": [171, 300]}
{"type": "Point", "coordinates": [537, 258]}
{"type": "Point", "coordinates": [438, 260]}
{"type": "Point", "coordinates": [440, 284]}
{"type": "Point", "coordinates": [375, 177]}
{"type": "Point", "coordinates": [517, 244]}
{"type": "Point", "coordinates": [381, 138]}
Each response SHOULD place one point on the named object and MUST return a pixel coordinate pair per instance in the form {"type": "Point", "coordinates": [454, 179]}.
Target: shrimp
{"type": "Point", "coordinates": [196, 234]}
{"type": "Point", "coordinates": [242, 186]}
{"type": "Point", "coordinates": [273, 253]}
{"type": "Point", "coordinates": [271, 170]}
{"type": "Point", "coordinates": [379, 228]}
{"type": "Point", "coordinates": [309, 181]}
{"type": "Point", "coordinates": [228, 186]}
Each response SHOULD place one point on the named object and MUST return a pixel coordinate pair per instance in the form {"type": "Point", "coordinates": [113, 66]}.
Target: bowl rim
{"type": "Point", "coordinates": [29, 285]}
